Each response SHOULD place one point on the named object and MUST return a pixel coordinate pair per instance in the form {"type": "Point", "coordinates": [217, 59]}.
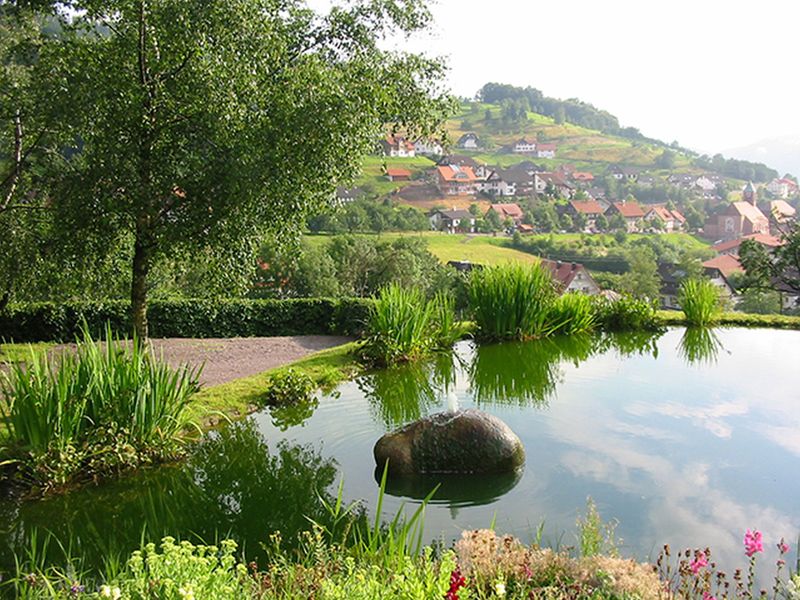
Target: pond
{"type": "Point", "coordinates": [686, 438]}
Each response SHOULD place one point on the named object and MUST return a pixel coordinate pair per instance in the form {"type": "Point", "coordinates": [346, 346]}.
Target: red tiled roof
{"type": "Point", "coordinates": [762, 238]}
{"type": "Point", "coordinates": [580, 176]}
{"type": "Point", "coordinates": [546, 147]}
{"type": "Point", "coordinates": [563, 272]}
{"type": "Point", "coordinates": [587, 207]}
{"type": "Point", "coordinates": [726, 263]}
{"type": "Point", "coordinates": [448, 173]}
{"type": "Point", "coordinates": [629, 210]}
{"type": "Point", "coordinates": [398, 172]}
{"type": "Point", "coordinates": [508, 210]}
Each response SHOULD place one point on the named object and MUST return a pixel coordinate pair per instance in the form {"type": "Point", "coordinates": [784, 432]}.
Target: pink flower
{"type": "Point", "coordinates": [707, 596]}
{"type": "Point", "coordinates": [698, 563]}
{"type": "Point", "coordinates": [783, 547]}
{"type": "Point", "coordinates": [753, 542]}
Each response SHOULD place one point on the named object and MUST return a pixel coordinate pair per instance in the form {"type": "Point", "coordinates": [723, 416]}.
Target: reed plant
{"type": "Point", "coordinates": [700, 301]}
{"type": "Point", "coordinates": [104, 407]}
{"type": "Point", "coordinates": [513, 301]}
{"type": "Point", "coordinates": [573, 313]}
{"type": "Point", "coordinates": [404, 325]}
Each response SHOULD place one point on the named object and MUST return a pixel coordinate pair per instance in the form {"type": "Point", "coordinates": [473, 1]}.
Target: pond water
{"type": "Point", "coordinates": [686, 438]}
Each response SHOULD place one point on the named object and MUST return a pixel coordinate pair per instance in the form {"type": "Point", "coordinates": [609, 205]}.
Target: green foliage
{"type": "Point", "coordinates": [48, 321]}
{"type": "Point", "coordinates": [626, 313]}
{"type": "Point", "coordinates": [99, 410]}
{"type": "Point", "coordinates": [404, 326]}
{"type": "Point", "coordinates": [700, 301]}
{"type": "Point", "coordinates": [642, 279]}
{"type": "Point", "coordinates": [289, 386]}
{"type": "Point", "coordinates": [573, 313]}
{"type": "Point", "coordinates": [512, 301]}
{"type": "Point", "coordinates": [594, 536]}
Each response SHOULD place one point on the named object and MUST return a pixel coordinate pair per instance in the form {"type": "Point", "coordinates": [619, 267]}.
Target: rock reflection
{"type": "Point", "coordinates": [455, 490]}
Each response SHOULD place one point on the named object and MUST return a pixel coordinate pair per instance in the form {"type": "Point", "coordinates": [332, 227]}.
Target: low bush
{"type": "Point", "coordinates": [700, 301]}
{"type": "Point", "coordinates": [573, 313]}
{"type": "Point", "coordinates": [48, 321]}
{"type": "Point", "coordinates": [289, 386]}
{"type": "Point", "coordinates": [101, 409]}
{"type": "Point", "coordinates": [625, 313]}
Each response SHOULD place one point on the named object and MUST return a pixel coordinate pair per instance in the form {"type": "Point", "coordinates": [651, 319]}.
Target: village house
{"type": "Point", "coordinates": [705, 183]}
{"type": "Point", "coordinates": [737, 220]}
{"type": "Point", "coordinates": [428, 147]}
{"type": "Point", "coordinates": [394, 174]}
{"type": "Point", "coordinates": [582, 177]}
{"type": "Point", "coordinates": [727, 264]}
{"type": "Point", "coordinates": [672, 275]}
{"type": "Point", "coordinates": [452, 221]}
{"type": "Point", "coordinates": [645, 181]}
{"type": "Point", "coordinates": [590, 209]}
{"type": "Point", "coordinates": [557, 183]}
{"type": "Point", "coordinates": [454, 180]}
{"type": "Point", "coordinates": [498, 183]}
{"type": "Point", "coordinates": [397, 146]}
{"type": "Point", "coordinates": [731, 247]}
{"type": "Point", "coordinates": [627, 173]}
{"type": "Point", "coordinates": [507, 211]}
{"type": "Point", "coordinates": [469, 141]}
{"type": "Point", "coordinates": [782, 188]}
{"type": "Point", "coordinates": [572, 277]}
{"type": "Point", "coordinates": [780, 211]}
{"type": "Point", "coordinates": [546, 150]}
{"type": "Point", "coordinates": [630, 211]}
{"type": "Point", "coordinates": [345, 195]}
{"type": "Point", "coordinates": [672, 219]}
{"type": "Point", "coordinates": [523, 146]}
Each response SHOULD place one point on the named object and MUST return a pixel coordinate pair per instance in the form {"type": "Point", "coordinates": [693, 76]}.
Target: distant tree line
{"type": "Point", "coordinates": [366, 215]}
{"type": "Point", "coordinates": [736, 168]}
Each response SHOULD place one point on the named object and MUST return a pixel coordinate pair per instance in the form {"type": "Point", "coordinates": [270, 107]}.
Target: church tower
{"type": "Point", "coordinates": [749, 193]}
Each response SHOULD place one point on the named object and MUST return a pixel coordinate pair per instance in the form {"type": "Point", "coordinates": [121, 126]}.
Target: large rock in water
{"type": "Point", "coordinates": [465, 441]}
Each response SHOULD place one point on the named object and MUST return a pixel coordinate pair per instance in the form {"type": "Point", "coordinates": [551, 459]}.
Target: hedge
{"type": "Point", "coordinates": [49, 321]}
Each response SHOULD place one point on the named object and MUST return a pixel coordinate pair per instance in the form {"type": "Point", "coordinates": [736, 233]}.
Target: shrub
{"type": "Point", "coordinates": [289, 386]}
{"type": "Point", "coordinates": [700, 301]}
{"type": "Point", "coordinates": [573, 313]}
{"type": "Point", "coordinates": [625, 313]}
{"type": "Point", "coordinates": [100, 409]}
{"type": "Point", "coordinates": [512, 301]}
{"type": "Point", "coordinates": [48, 321]}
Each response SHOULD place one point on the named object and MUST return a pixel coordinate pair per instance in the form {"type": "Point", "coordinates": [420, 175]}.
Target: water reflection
{"type": "Point", "coordinates": [700, 346]}
{"type": "Point", "coordinates": [455, 490]}
{"type": "Point", "coordinates": [399, 394]}
{"type": "Point", "coordinates": [524, 373]}
{"type": "Point", "coordinates": [231, 486]}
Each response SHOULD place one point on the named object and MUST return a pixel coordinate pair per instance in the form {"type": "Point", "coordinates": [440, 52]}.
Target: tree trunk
{"type": "Point", "coordinates": [142, 256]}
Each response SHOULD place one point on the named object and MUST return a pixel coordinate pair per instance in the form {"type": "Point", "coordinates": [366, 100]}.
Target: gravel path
{"type": "Point", "coordinates": [226, 359]}
{"type": "Point", "coordinates": [231, 358]}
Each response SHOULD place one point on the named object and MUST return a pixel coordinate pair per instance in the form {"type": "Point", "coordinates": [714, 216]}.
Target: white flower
{"type": "Point", "coordinates": [186, 592]}
{"type": "Point", "coordinates": [105, 591]}
{"type": "Point", "coordinates": [116, 594]}
{"type": "Point", "coordinates": [500, 589]}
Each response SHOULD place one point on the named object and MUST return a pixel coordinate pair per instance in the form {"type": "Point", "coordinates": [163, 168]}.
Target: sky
{"type": "Point", "coordinates": [711, 74]}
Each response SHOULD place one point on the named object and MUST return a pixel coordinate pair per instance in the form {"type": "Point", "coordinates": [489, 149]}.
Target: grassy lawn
{"type": "Point", "coordinates": [14, 353]}
{"type": "Point", "coordinates": [374, 179]}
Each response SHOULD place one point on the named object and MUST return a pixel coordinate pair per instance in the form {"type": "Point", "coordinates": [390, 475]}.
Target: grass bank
{"type": "Point", "coordinates": [733, 319]}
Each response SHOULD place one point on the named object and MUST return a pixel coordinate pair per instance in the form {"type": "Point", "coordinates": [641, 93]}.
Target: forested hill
{"type": "Point", "coordinates": [504, 112]}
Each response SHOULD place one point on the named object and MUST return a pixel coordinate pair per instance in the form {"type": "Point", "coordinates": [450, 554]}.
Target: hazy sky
{"type": "Point", "coordinates": [711, 74]}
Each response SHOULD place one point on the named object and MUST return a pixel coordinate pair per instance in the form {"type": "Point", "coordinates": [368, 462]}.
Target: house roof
{"type": "Point", "coordinates": [456, 173]}
{"type": "Point", "coordinates": [581, 176]}
{"type": "Point", "coordinates": [587, 207]}
{"type": "Point", "coordinates": [781, 208]}
{"type": "Point", "coordinates": [508, 210]}
{"type": "Point", "coordinates": [762, 238]}
{"type": "Point", "coordinates": [725, 263]}
{"type": "Point", "coordinates": [523, 142]}
{"type": "Point", "coordinates": [398, 141]}
{"type": "Point", "coordinates": [546, 147]}
{"type": "Point", "coordinates": [666, 214]}
{"type": "Point", "coordinates": [747, 210]}
{"type": "Point", "coordinates": [467, 136]}
{"type": "Point", "coordinates": [398, 172]}
{"type": "Point", "coordinates": [629, 210]}
{"type": "Point", "coordinates": [458, 160]}
{"type": "Point", "coordinates": [565, 272]}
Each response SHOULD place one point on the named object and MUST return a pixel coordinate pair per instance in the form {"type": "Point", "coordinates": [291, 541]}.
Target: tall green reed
{"type": "Point", "coordinates": [404, 325]}
{"type": "Point", "coordinates": [573, 313]}
{"type": "Point", "coordinates": [700, 301]}
{"type": "Point", "coordinates": [103, 407]}
{"type": "Point", "coordinates": [513, 301]}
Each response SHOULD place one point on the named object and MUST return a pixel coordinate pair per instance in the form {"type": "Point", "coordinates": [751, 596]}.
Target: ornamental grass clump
{"type": "Point", "coordinates": [573, 313]}
{"type": "Point", "coordinates": [404, 325]}
{"type": "Point", "coordinates": [700, 301]}
{"type": "Point", "coordinates": [100, 409]}
{"type": "Point", "coordinates": [513, 301]}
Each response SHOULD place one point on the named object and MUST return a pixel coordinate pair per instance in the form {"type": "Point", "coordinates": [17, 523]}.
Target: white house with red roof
{"type": "Point", "coordinates": [455, 181]}
{"type": "Point", "coordinates": [572, 277]}
{"type": "Point", "coordinates": [507, 211]}
{"type": "Point", "coordinates": [782, 188]}
{"type": "Point", "coordinates": [731, 247]}
{"type": "Point", "coordinates": [589, 209]}
{"type": "Point", "coordinates": [394, 174]}
{"type": "Point", "coordinates": [672, 219]}
{"type": "Point", "coordinates": [546, 150]}
{"type": "Point", "coordinates": [630, 211]}
{"type": "Point", "coordinates": [397, 146]}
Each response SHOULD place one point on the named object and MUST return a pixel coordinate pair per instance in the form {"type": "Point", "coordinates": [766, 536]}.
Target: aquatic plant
{"type": "Point", "coordinates": [700, 301]}
{"type": "Point", "coordinates": [102, 408]}
{"type": "Point", "coordinates": [625, 313]}
{"type": "Point", "coordinates": [573, 313]}
{"type": "Point", "coordinates": [404, 325]}
{"type": "Point", "coordinates": [288, 386]}
{"type": "Point", "coordinates": [513, 301]}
